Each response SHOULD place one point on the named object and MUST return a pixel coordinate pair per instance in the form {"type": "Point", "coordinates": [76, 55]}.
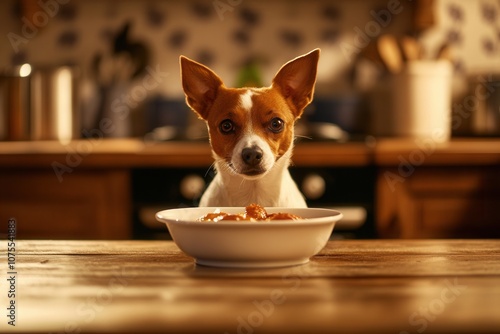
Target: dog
{"type": "Point", "coordinates": [251, 132]}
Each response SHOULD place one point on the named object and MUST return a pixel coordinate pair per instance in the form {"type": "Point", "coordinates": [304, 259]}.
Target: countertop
{"type": "Point", "coordinates": [364, 286]}
{"type": "Point", "coordinates": [127, 153]}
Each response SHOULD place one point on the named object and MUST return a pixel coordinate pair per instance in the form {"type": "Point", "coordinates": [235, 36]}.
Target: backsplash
{"type": "Point", "coordinates": [227, 34]}
{"type": "Point", "coordinates": [127, 53]}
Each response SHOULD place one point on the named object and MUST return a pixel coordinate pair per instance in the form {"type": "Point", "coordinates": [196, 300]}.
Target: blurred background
{"type": "Point", "coordinates": [115, 45]}
{"type": "Point", "coordinates": [77, 69]}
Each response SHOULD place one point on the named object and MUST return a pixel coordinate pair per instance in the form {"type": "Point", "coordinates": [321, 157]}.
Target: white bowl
{"type": "Point", "coordinates": [245, 244]}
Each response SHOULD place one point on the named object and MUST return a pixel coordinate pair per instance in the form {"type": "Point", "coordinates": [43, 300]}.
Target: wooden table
{"type": "Point", "coordinates": [371, 286]}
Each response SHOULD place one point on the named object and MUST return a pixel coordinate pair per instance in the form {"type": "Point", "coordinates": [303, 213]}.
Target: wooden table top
{"type": "Point", "coordinates": [365, 286]}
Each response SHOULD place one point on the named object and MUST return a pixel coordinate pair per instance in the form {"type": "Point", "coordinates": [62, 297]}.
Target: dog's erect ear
{"type": "Point", "coordinates": [296, 80]}
{"type": "Point", "coordinates": [200, 85]}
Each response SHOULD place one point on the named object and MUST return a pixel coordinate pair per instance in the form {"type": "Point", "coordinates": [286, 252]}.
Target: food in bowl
{"type": "Point", "coordinates": [253, 212]}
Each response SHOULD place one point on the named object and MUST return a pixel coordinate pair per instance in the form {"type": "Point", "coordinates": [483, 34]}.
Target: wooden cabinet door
{"type": "Point", "coordinates": [439, 202]}
{"type": "Point", "coordinates": [87, 204]}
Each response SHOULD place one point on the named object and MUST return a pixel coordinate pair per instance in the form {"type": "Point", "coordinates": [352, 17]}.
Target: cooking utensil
{"type": "Point", "coordinates": [444, 52]}
{"type": "Point", "coordinates": [15, 103]}
{"type": "Point", "coordinates": [412, 50]}
{"type": "Point", "coordinates": [54, 103]}
{"type": "Point", "coordinates": [138, 52]}
{"type": "Point", "coordinates": [39, 103]}
{"type": "Point", "coordinates": [390, 53]}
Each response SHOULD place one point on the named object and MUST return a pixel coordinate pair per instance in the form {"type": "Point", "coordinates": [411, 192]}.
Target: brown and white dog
{"type": "Point", "coordinates": [251, 131]}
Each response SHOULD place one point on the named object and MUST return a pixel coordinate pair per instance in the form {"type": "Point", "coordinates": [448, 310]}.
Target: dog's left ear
{"type": "Point", "coordinates": [296, 80]}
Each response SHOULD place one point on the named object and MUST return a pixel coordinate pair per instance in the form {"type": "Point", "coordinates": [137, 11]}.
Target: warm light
{"type": "Point", "coordinates": [25, 70]}
{"type": "Point", "coordinates": [63, 105]}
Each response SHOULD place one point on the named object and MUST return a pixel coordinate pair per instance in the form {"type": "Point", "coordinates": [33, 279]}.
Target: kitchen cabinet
{"type": "Point", "coordinates": [450, 189]}
{"type": "Point", "coordinates": [91, 204]}
{"type": "Point", "coordinates": [439, 201]}
{"type": "Point", "coordinates": [419, 191]}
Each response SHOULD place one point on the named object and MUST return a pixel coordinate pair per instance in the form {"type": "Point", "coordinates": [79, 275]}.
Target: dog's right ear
{"type": "Point", "coordinates": [200, 85]}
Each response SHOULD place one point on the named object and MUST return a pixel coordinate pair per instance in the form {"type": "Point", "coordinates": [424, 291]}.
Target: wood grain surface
{"type": "Point", "coordinates": [366, 286]}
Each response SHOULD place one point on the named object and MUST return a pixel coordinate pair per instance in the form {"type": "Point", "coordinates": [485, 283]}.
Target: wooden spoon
{"type": "Point", "coordinates": [390, 53]}
{"type": "Point", "coordinates": [412, 49]}
{"type": "Point", "coordinates": [444, 52]}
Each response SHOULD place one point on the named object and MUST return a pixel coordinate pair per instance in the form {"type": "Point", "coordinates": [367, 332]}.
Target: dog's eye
{"type": "Point", "coordinates": [276, 125]}
{"type": "Point", "coordinates": [226, 126]}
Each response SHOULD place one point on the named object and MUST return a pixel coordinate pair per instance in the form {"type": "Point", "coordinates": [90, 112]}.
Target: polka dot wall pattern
{"type": "Point", "coordinates": [225, 35]}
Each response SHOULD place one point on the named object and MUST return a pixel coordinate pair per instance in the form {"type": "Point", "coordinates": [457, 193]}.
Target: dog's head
{"type": "Point", "coordinates": [251, 128]}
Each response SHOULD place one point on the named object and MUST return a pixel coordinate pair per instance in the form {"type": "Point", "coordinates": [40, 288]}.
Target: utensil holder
{"type": "Point", "coordinates": [421, 100]}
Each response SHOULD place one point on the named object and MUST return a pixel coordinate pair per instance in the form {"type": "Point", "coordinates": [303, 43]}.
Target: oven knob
{"type": "Point", "coordinates": [313, 186]}
{"type": "Point", "coordinates": [192, 186]}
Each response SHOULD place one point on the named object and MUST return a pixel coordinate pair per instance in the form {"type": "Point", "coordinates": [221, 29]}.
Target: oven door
{"type": "Point", "coordinates": [348, 190]}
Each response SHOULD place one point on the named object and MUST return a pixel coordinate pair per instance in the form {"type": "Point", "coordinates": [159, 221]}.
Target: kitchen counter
{"type": "Point", "coordinates": [410, 189]}
{"type": "Point", "coordinates": [371, 286]}
{"type": "Point", "coordinates": [138, 153]}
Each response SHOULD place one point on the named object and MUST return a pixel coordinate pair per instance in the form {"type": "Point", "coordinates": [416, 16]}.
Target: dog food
{"type": "Point", "coordinates": [253, 212]}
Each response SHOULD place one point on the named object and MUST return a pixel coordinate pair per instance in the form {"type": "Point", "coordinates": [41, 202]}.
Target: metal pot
{"type": "Point", "coordinates": [39, 104]}
{"type": "Point", "coordinates": [54, 111]}
{"type": "Point", "coordinates": [15, 103]}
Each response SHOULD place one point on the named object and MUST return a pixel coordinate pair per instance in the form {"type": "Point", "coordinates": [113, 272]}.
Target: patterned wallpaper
{"type": "Point", "coordinates": [472, 28]}
{"type": "Point", "coordinates": [227, 34]}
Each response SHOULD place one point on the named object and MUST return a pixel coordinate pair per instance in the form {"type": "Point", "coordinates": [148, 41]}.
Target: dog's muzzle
{"type": "Point", "coordinates": [251, 162]}
{"type": "Point", "coordinates": [252, 156]}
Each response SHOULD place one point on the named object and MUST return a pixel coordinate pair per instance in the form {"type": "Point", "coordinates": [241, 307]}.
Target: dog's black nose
{"type": "Point", "coordinates": [252, 155]}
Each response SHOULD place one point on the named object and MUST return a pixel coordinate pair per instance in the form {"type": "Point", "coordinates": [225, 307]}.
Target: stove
{"type": "Point", "coordinates": [350, 190]}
